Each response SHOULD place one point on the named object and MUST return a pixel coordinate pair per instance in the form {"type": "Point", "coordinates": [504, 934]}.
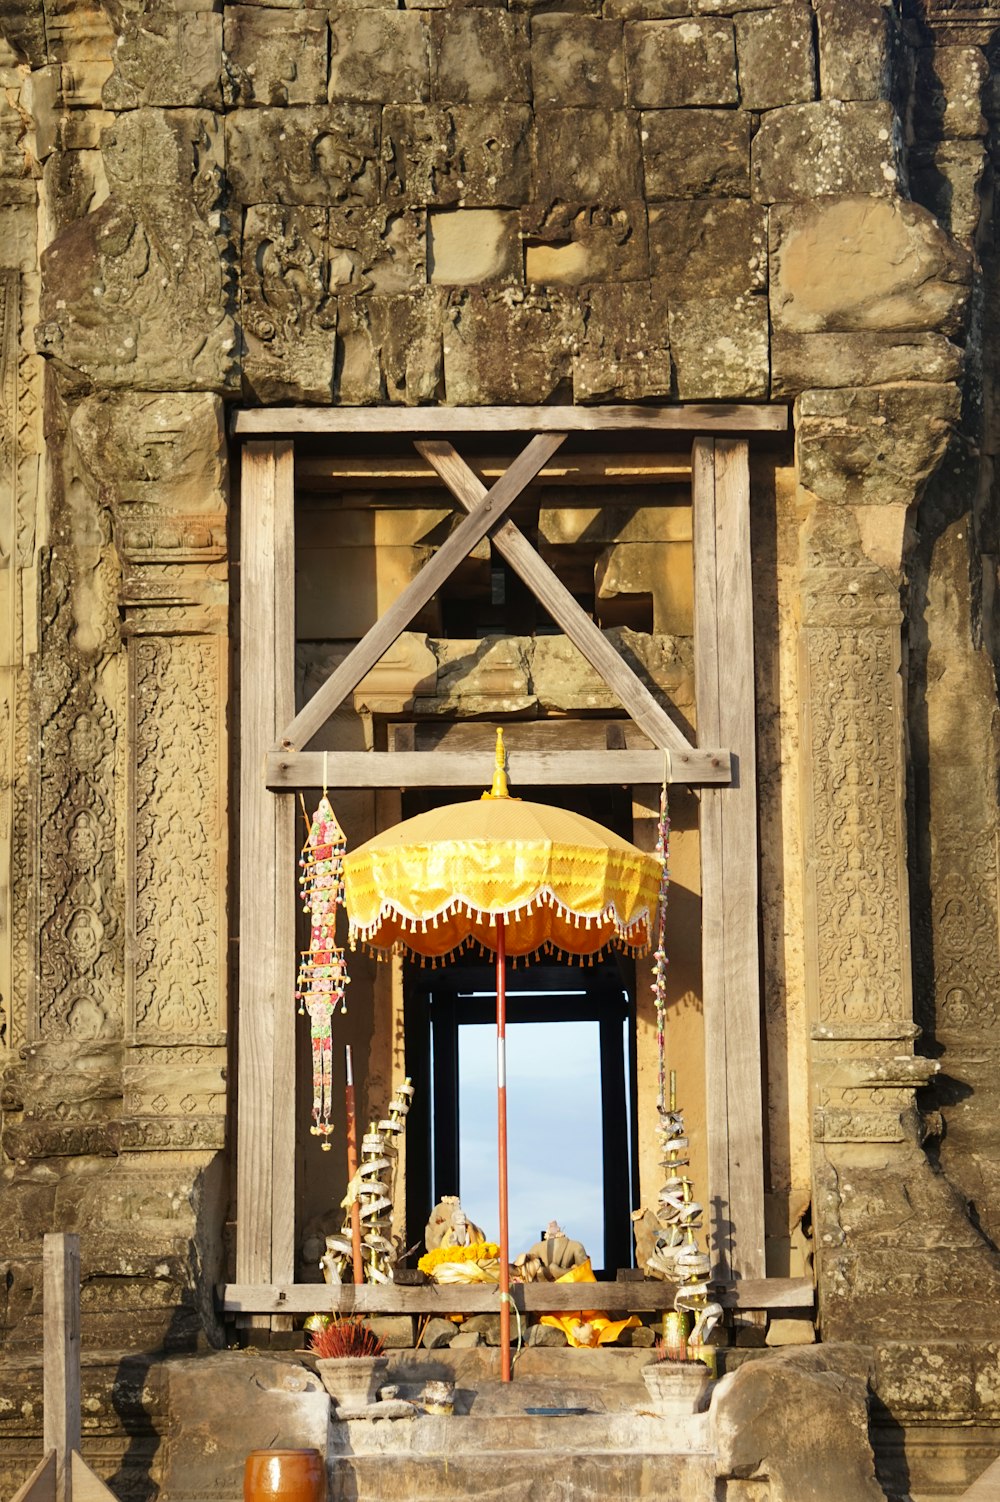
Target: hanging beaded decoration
{"type": "Point", "coordinates": [323, 976]}
{"type": "Point", "coordinates": [660, 962]}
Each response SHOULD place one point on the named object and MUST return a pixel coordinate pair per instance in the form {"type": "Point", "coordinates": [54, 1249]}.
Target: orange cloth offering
{"type": "Point", "coordinates": [589, 1327]}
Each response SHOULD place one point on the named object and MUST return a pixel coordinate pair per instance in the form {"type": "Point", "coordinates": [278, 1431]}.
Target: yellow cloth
{"type": "Point", "coordinates": [441, 879]}
{"type": "Point", "coordinates": [589, 1327]}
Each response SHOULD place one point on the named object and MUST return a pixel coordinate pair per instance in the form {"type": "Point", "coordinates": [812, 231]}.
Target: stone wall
{"type": "Point", "coordinates": [573, 201]}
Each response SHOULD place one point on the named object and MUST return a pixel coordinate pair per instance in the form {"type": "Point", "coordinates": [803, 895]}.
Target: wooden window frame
{"type": "Point", "coordinates": [273, 767]}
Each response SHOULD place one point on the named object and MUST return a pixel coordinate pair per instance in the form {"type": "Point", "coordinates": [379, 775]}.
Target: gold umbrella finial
{"type": "Point", "coordinates": [499, 788]}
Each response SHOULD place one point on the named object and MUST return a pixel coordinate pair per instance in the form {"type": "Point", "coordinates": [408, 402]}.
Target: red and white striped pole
{"type": "Point", "coordinates": [502, 1150]}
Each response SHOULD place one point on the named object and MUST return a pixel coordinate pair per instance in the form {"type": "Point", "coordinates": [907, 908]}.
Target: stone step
{"type": "Point", "coordinates": [580, 1433]}
{"type": "Point", "coordinates": [555, 1475]}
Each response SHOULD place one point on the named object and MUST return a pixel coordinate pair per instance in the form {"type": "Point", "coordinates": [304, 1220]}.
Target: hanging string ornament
{"type": "Point", "coordinates": [660, 961]}
{"type": "Point", "coordinates": [323, 977]}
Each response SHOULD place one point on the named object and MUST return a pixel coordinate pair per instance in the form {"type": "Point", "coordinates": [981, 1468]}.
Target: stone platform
{"type": "Point", "coordinates": [495, 1447]}
{"type": "Point", "coordinates": [491, 1448]}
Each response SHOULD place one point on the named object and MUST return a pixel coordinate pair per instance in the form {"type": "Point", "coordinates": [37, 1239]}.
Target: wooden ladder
{"type": "Point", "coordinates": [62, 1475]}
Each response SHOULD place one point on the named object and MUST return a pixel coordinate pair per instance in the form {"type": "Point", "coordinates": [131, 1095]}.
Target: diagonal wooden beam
{"type": "Point", "coordinates": [509, 540]}
{"type": "Point", "coordinates": [489, 508]}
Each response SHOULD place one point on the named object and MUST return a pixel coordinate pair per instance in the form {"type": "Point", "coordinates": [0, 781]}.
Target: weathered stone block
{"type": "Point", "coordinates": [379, 55]}
{"type": "Point", "coordinates": [950, 85]}
{"type": "Point", "coordinates": [945, 177]}
{"type": "Point", "coordinates": [357, 376]}
{"type": "Point", "coordinates": [394, 1330]}
{"type": "Point", "coordinates": [801, 1419]}
{"type": "Point", "coordinates": [408, 332]}
{"type": "Point", "coordinates": [863, 359]}
{"type": "Point", "coordinates": [712, 258]}
{"type": "Point", "coordinates": [626, 353]}
{"type": "Point", "coordinates": [19, 224]}
{"type": "Point", "coordinates": [696, 153]}
{"type": "Point", "coordinates": [577, 60]}
{"type": "Point", "coordinates": [217, 1408]}
{"type": "Point", "coordinates": [672, 63]}
{"type": "Point", "coordinates": [774, 49]}
{"type": "Point", "coordinates": [392, 249]}
{"type": "Point", "coordinates": [719, 347]}
{"type": "Point", "coordinates": [587, 156]}
{"type": "Point", "coordinates": [864, 263]}
{"type": "Point", "coordinates": [307, 155]}
{"type": "Point", "coordinates": [275, 56]}
{"type": "Point", "coordinates": [167, 59]}
{"type": "Point", "coordinates": [664, 571]}
{"type": "Point", "coordinates": [856, 40]}
{"type": "Point", "coordinates": [580, 7]}
{"type": "Point", "coordinates": [790, 1332]}
{"type": "Point", "coordinates": [934, 1379]}
{"type": "Point", "coordinates": [159, 454]}
{"type": "Point", "coordinates": [647, 10]}
{"type": "Point", "coordinates": [808, 150]}
{"type": "Point", "coordinates": [148, 267]}
{"type": "Point", "coordinates": [592, 245]}
{"type": "Point", "coordinates": [477, 155]}
{"type": "Point", "coordinates": [468, 246]}
{"type": "Point", "coordinates": [518, 348]}
{"type": "Point", "coordinates": [479, 55]}
{"type": "Point", "coordinates": [709, 246]}
{"type": "Point", "coordinates": [864, 447]}
{"type": "Point", "coordinates": [288, 321]}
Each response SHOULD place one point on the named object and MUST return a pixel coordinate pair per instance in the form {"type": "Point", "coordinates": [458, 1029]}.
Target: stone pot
{"type": "Point", "coordinates": [352, 1381]}
{"type": "Point", "coordinates": [676, 1388]}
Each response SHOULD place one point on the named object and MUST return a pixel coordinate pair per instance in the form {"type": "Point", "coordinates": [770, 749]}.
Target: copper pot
{"type": "Point", "coordinates": [284, 1476]}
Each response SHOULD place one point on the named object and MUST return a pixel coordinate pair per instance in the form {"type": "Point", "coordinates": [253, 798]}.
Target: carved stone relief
{"type": "Point", "coordinates": [860, 912]}
{"type": "Point", "coordinates": [177, 955]}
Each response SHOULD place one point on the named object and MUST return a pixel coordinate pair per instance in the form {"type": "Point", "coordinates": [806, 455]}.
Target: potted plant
{"type": "Point", "coordinates": [676, 1388]}
{"type": "Point", "coordinates": [349, 1360]}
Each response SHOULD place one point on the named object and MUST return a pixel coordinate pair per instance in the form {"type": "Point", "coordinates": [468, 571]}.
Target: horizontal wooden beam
{"type": "Point", "coordinates": [288, 770]}
{"type": "Point", "coordinates": [707, 418]}
{"type": "Point", "coordinates": [391, 472]}
{"type": "Point", "coordinates": [639, 1297]}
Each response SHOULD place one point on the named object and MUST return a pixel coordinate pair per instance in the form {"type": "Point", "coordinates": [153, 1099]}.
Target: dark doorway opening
{"type": "Point", "coordinates": [571, 1108]}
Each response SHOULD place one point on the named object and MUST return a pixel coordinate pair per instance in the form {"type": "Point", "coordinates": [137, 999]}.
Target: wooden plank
{"type": "Point", "coordinates": [392, 471]}
{"type": "Point", "coordinates": [283, 877]}
{"type": "Point", "coordinates": [706, 676]}
{"type": "Point", "coordinates": [87, 1487]}
{"type": "Point", "coordinates": [267, 943]}
{"type": "Point", "coordinates": [288, 770]}
{"type": "Point", "coordinates": [553, 595]}
{"type": "Point", "coordinates": [738, 730]}
{"type": "Point", "coordinates": [643, 1296]}
{"type": "Point", "coordinates": [434, 573]}
{"type": "Point", "coordinates": [41, 1484]}
{"type": "Point", "coordinates": [718, 417]}
{"type": "Point", "coordinates": [61, 1353]}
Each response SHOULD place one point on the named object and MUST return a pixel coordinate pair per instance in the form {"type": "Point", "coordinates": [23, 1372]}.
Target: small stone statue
{"type": "Point", "coordinates": [449, 1225]}
{"type": "Point", "coordinates": [556, 1252]}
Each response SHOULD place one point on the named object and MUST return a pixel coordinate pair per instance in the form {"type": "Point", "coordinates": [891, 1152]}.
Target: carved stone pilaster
{"type": "Point", "coordinates": [165, 482]}
{"type": "Point", "coordinates": [883, 1219]}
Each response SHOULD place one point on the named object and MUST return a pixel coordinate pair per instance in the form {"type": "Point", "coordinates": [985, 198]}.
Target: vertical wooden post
{"type": "Point", "coordinates": [61, 1354]}
{"type": "Point", "coordinates": [265, 1236]}
{"type": "Point", "coordinates": [724, 682]}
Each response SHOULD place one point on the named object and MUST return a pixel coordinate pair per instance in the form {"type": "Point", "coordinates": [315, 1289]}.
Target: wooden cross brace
{"type": "Point", "coordinates": [485, 515]}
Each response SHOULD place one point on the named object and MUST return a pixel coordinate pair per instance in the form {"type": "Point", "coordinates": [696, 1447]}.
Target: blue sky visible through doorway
{"type": "Point", "coordinates": [554, 1115]}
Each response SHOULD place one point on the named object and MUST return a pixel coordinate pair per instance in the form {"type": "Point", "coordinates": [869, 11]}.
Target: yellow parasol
{"type": "Point", "coordinates": [515, 878]}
